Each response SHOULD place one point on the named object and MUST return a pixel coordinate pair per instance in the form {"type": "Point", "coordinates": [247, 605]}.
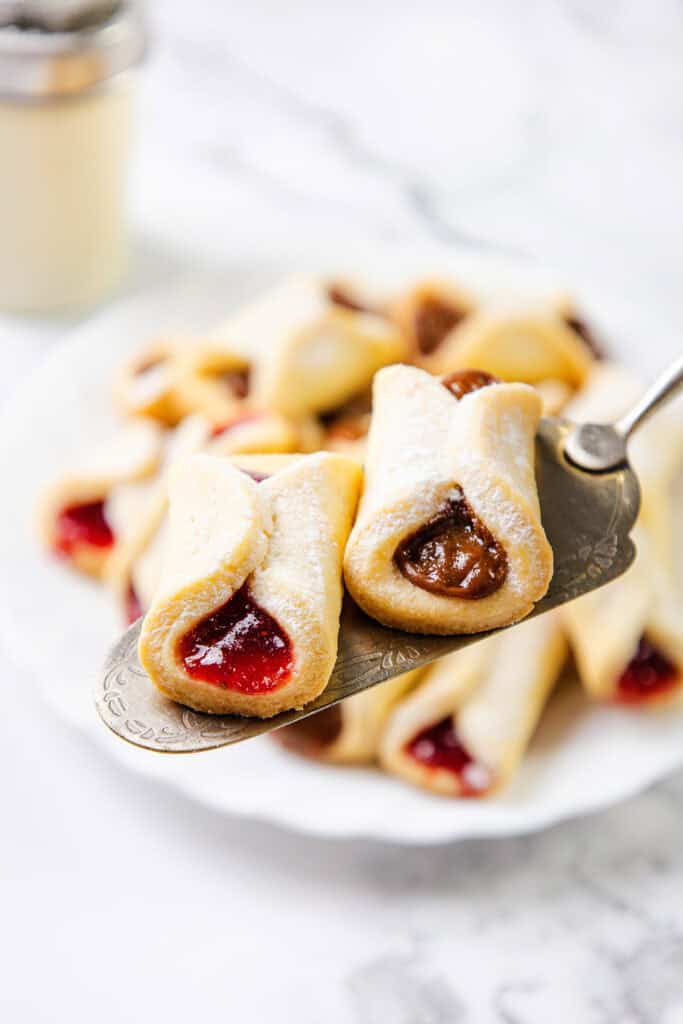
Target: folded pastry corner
{"type": "Point", "coordinates": [448, 537]}
{"type": "Point", "coordinates": [516, 347]}
{"type": "Point", "coordinates": [348, 732]}
{"type": "Point", "coordinates": [214, 381]}
{"type": "Point", "coordinates": [137, 512]}
{"type": "Point", "coordinates": [465, 729]}
{"type": "Point", "coordinates": [255, 431]}
{"type": "Point", "coordinates": [151, 383]}
{"type": "Point", "coordinates": [627, 637]}
{"type": "Point", "coordinates": [246, 616]}
{"type": "Point", "coordinates": [308, 351]}
{"type": "Point", "coordinates": [420, 743]}
{"type": "Point", "coordinates": [73, 518]}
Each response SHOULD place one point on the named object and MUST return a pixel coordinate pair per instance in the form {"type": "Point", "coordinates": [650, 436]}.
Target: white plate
{"type": "Point", "coordinates": [58, 626]}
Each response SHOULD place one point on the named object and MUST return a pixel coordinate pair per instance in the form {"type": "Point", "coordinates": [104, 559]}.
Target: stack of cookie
{"type": "Point", "coordinates": [327, 436]}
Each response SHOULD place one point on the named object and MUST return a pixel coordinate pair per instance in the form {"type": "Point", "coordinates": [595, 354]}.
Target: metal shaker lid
{"type": "Point", "coordinates": [51, 48]}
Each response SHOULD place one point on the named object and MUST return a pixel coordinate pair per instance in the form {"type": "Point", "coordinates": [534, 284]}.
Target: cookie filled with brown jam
{"type": "Point", "coordinates": [464, 382]}
{"type": "Point", "coordinates": [454, 554]}
{"type": "Point", "coordinates": [434, 319]}
{"type": "Point", "coordinates": [237, 382]}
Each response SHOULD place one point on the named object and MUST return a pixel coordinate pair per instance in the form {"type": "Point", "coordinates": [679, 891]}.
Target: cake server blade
{"type": "Point", "coordinates": [587, 516]}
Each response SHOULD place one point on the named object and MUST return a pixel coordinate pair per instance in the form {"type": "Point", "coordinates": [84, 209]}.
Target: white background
{"type": "Point", "coordinates": [549, 130]}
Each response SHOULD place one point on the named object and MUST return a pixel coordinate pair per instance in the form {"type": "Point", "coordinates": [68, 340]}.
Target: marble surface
{"type": "Point", "coordinates": [547, 130]}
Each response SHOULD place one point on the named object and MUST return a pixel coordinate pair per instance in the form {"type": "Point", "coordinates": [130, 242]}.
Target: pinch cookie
{"type": "Point", "coordinates": [246, 617]}
{"type": "Point", "coordinates": [348, 732]}
{"type": "Point", "coordinates": [448, 537]}
{"type": "Point", "coordinates": [151, 383]}
{"type": "Point", "coordinates": [465, 730]}
{"type": "Point", "coordinates": [516, 347]}
{"type": "Point", "coordinates": [213, 381]}
{"type": "Point", "coordinates": [73, 512]}
{"type": "Point", "coordinates": [308, 353]}
{"type": "Point", "coordinates": [429, 312]}
{"type": "Point", "coordinates": [137, 512]}
{"type": "Point", "coordinates": [421, 727]}
{"type": "Point", "coordinates": [656, 450]}
{"type": "Point", "coordinates": [627, 637]}
{"type": "Point", "coordinates": [255, 432]}
{"type": "Point", "coordinates": [148, 565]}
{"type": "Point", "coordinates": [345, 429]}
{"type": "Point", "coordinates": [497, 721]}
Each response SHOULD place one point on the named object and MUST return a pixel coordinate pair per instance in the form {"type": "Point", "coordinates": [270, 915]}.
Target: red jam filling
{"type": "Point", "coordinates": [132, 606]}
{"type": "Point", "coordinates": [237, 382]}
{"type": "Point", "coordinates": [464, 382]}
{"type": "Point", "coordinates": [648, 674]}
{"type": "Point", "coordinates": [255, 475]}
{"type": "Point", "coordinates": [236, 421]}
{"type": "Point", "coordinates": [79, 525]}
{"type": "Point", "coordinates": [438, 746]}
{"type": "Point", "coordinates": [434, 319]}
{"type": "Point", "coordinates": [239, 647]}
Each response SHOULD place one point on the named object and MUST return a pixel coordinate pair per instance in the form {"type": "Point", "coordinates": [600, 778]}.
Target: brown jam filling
{"type": "Point", "coordinates": [454, 554]}
{"type": "Point", "coordinates": [359, 405]}
{"type": "Point", "coordinates": [237, 382]}
{"type": "Point", "coordinates": [350, 421]}
{"type": "Point", "coordinates": [311, 735]}
{"type": "Point", "coordinates": [349, 428]}
{"type": "Point", "coordinates": [584, 331]}
{"type": "Point", "coordinates": [464, 382]}
{"type": "Point", "coordinates": [434, 319]}
{"type": "Point", "coordinates": [340, 296]}
{"type": "Point", "coordinates": [237, 421]}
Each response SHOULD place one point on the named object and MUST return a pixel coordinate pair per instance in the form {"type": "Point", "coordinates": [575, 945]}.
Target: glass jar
{"type": "Point", "coordinates": [66, 91]}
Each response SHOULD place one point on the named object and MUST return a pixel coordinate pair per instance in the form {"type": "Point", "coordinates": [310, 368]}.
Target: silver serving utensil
{"type": "Point", "coordinates": [589, 499]}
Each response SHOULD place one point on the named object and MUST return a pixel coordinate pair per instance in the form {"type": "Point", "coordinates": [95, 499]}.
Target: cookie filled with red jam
{"type": "Point", "coordinates": [448, 537]}
{"type": "Point", "coordinates": [73, 515]}
{"type": "Point", "coordinates": [651, 675]}
{"type": "Point", "coordinates": [627, 637]}
{"type": "Point", "coordinates": [438, 747]}
{"type": "Point", "coordinates": [421, 741]}
{"type": "Point", "coordinates": [465, 728]}
{"type": "Point", "coordinates": [249, 622]}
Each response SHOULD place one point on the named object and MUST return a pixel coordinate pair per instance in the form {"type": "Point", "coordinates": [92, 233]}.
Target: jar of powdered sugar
{"type": "Point", "coordinates": [67, 71]}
